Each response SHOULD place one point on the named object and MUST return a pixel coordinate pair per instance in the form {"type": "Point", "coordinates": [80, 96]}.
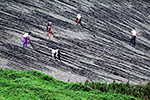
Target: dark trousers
{"type": "Point", "coordinates": [57, 55]}
{"type": "Point", "coordinates": [78, 20]}
{"type": "Point", "coordinates": [133, 40]}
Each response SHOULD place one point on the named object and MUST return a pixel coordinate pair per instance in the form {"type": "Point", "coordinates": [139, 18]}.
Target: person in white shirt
{"type": "Point", "coordinates": [78, 18]}
{"type": "Point", "coordinates": [56, 53]}
{"type": "Point", "coordinates": [26, 38]}
{"type": "Point", "coordinates": [133, 39]}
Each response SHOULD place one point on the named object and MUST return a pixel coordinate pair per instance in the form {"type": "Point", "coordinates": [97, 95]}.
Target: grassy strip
{"type": "Point", "coordinates": [138, 91]}
{"type": "Point", "coordinates": [34, 85]}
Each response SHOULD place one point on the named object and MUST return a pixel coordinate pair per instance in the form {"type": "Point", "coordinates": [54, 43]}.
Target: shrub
{"type": "Point", "coordinates": [78, 87]}
{"type": "Point", "coordinates": [47, 78]}
{"type": "Point", "coordinates": [99, 86]}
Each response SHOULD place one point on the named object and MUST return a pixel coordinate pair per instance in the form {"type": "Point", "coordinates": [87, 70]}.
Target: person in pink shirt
{"type": "Point", "coordinates": [26, 38]}
{"type": "Point", "coordinates": [133, 39]}
{"type": "Point", "coordinates": [49, 30]}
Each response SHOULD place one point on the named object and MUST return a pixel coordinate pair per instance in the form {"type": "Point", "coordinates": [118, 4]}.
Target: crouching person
{"type": "Point", "coordinates": [78, 19]}
{"type": "Point", "coordinates": [56, 53]}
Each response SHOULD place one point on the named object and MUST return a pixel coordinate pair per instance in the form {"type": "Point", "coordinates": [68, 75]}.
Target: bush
{"type": "Point", "coordinates": [78, 87]}
{"type": "Point", "coordinates": [47, 78]}
{"type": "Point", "coordinates": [103, 87]}
{"type": "Point", "coordinates": [137, 91]}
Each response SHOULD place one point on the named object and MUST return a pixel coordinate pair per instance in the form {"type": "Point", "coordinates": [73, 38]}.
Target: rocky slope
{"type": "Point", "coordinates": [99, 49]}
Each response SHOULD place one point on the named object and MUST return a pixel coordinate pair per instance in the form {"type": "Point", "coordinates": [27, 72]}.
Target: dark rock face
{"type": "Point", "coordinates": [98, 49]}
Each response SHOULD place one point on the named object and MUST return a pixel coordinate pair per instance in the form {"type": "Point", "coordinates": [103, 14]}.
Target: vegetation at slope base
{"type": "Point", "coordinates": [35, 85]}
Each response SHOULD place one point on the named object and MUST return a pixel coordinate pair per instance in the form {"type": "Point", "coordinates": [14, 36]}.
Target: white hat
{"type": "Point", "coordinates": [49, 23]}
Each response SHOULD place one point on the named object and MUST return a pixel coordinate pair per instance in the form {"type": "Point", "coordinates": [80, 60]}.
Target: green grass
{"type": "Point", "coordinates": [35, 85]}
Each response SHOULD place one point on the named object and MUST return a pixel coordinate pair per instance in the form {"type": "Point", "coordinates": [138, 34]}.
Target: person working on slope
{"type": "Point", "coordinates": [78, 19]}
{"type": "Point", "coordinates": [26, 38]}
{"type": "Point", "coordinates": [56, 53]}
{"type": "Point", "coordinates": [49, 30]}
{"type": "Point", "coordinates": [133, 39]}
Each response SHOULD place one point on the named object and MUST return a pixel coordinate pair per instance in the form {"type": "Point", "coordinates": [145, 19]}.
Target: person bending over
{"type": "Point", "coordinates": [26, 38]}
